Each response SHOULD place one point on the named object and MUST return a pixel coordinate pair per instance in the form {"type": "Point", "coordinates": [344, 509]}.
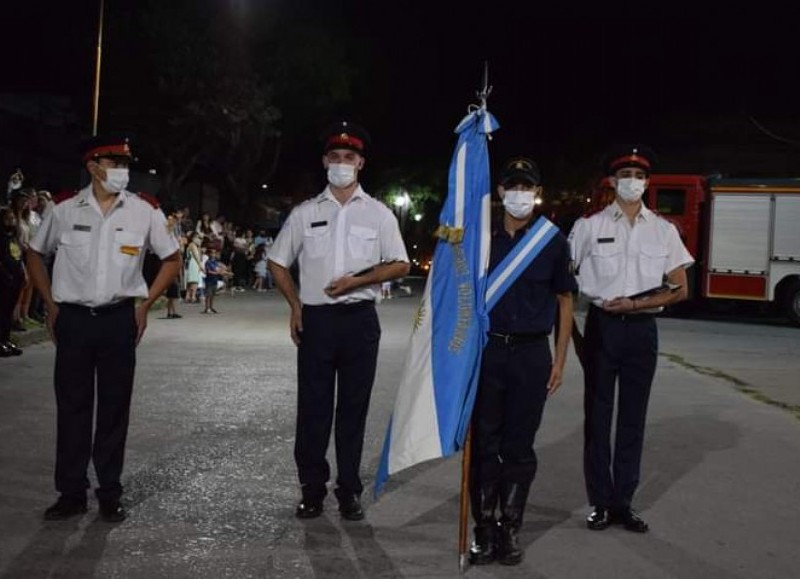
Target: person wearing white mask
{"type": "Point", "coordinates": [99, 236]}
{"type": "Point", "coordinates": [518, 369]}
{"type": "Point", "coordinates": [346, 243]}
{"type": "Point", "coordinates": [622, 256]}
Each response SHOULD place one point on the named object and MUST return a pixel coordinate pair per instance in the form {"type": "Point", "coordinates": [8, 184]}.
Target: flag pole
{"type": "Point", "coordinates": [463, 532]}
{"type": "Point", "coordinates": [466, 459]}
{"type": "Point", "coordinates": [96, 95]}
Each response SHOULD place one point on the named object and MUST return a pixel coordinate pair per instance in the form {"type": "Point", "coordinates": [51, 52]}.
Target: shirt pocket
{"type": "Point", "coordinates": [317, 241]}
{"type": "Point", "coordinates": [363, 243]}
{"type": "Point", "coordinates": [653, 260]}
{"type": "Point", "coordinates": [75, 246]}
{"type": "Point", "coordinates": [128, 248]}
{"type": "Point", "coordinates": [606, 260]}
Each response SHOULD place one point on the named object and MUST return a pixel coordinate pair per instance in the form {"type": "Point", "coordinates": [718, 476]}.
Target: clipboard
{"type": "Point", "coordinates": [664, 287]}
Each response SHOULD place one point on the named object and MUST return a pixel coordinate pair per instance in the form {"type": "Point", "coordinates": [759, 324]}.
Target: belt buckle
{"type": "Point", "coordinates": [507, 339]}
{"type": "Point", "coordinates": [93, 312]}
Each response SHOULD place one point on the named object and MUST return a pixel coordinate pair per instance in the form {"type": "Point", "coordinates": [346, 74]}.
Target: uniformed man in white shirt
{"type": "Point", "coordinates": [346, 244]}
{"type": "Point", "coordinates": [99, 235]}
{"type": "Point", "coordinates": [619, 254]}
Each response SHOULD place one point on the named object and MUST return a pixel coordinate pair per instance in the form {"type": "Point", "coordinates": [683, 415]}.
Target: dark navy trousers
{"type": "Point", "coordinates": [508, 410]}
{"type": "Point", "coordinates": [95, 353]}
{"type": "Point", "coordinates": [336, 362]}
{"type": "Point", "coordinates": [619, 350]}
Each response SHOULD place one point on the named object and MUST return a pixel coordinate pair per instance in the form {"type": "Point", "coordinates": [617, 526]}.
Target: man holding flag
{"type": "Point", "coordinates": [517, 370]}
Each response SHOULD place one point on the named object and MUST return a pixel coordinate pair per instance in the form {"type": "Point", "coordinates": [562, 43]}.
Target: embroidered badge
{"type": "Point", "coordinates": [130, 249]}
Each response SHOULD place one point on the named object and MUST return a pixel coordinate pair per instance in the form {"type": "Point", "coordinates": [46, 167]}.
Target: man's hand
{"type": "Point", "coordinates": [619, 305]}
{"type": "Point", "coordinates": [296, 325]}
{"type": "Point", "coordinates": [140, 316]}
{"type": "Point", "coordinates": [50, 318]}
{"type": "Point", "coordinates": [556, 376]}
{"type": "Point", "coordinates": [341, 286]}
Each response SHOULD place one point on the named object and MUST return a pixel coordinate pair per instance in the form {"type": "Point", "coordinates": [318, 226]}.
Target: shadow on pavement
{"type": "Point", "coordinates": [329, 553]}
{"type": "Point", "coordinates": [61, 549]}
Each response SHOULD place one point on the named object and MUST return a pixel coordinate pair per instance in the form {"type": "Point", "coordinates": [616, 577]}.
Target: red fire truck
{"type": "Point", "coordinates": [743, 233]}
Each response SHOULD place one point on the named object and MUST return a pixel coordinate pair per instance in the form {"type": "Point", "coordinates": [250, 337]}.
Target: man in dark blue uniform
{"type": "Point", "coordinates": [518, 371]}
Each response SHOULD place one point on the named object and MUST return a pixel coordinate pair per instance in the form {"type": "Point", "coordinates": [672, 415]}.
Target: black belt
{"type": "Point", "coordinates": [343, 305]}
{"type": "Point", "coordinates": [627, 316]}
{"type": "Point", "coordinates": [521, 338]}
{"type": "Point", "coordinates": [98, 310]}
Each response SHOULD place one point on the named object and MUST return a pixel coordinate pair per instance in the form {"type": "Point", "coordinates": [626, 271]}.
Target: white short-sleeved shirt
{"type": "Point", "coordinates": [99, 258]}
{"type": "Point", "coordinates": [332, 240]}
{"type": "Point", "coordinates": [613, 258]}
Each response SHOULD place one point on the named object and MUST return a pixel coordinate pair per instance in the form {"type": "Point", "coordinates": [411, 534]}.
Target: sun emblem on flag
{"type": "Point", "coordinates": [420, 315]}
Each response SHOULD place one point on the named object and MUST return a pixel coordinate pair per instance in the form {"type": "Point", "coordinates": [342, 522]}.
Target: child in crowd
{"type": "Point", "coordinates": [260, 269]}
{"type": "Point", "coordinates": [12, 279]}
{"type": "Point", "coordinates": [215, 273]}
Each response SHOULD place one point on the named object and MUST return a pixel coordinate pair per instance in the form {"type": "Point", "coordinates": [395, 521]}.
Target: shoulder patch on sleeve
{"type": "Point", "coordinates": [62, 196]}
{"type": "Point", "coordinates": [149, 199]}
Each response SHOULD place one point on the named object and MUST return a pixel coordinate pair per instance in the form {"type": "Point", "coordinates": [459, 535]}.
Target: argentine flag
{"type": "Point", "coordinates": [440, 378]}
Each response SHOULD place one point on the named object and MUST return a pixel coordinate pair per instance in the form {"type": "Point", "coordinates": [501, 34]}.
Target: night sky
{"type": "Point", "coordinates": [565, 85]}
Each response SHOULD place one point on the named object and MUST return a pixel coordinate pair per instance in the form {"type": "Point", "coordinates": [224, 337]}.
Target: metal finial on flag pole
{"type": "Point", "coordinates": [486, 90]}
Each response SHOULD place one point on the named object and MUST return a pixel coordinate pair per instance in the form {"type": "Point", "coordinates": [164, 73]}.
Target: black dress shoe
{"type": "Point", "coordinates": [5, 351]}
{"type": "Point", "coordinates": [13, 348]}
{"type": "Point", "coordinates": [598, 519]}
{"type": "Point", "coordinates": [64, 508]}
{"type": "Point", "coordinates": [308, 509]}
{"type": "Point", "coordinates": [631, 520]}
{"type": "Point", "coordinates": [350, 508]}
{"type": "Point", "coordinates": [112, 511]}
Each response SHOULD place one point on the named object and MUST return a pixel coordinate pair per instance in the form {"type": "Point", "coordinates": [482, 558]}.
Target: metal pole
{"type": "Point", "coordinates": [96, 99]}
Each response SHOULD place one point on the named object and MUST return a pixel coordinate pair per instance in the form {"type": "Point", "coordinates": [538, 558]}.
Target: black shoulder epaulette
{"type": "Point", "coordinates": [150, 199]}
{"type": "Point", "coordinates": [64, 195]}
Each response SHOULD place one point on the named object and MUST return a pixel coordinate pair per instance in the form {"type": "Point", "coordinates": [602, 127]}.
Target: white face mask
{"type": "Point", "coordinates": [630, 189]}
{"type": "Point", "coordinates": [519, 203]}
{"type": "Point", "coordinates": [341, 175]}
{"type": "Point", "coordinates": [116, 179]}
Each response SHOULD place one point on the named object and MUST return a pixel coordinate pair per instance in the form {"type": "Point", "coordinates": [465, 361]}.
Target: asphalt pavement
{"type": "Point", "coordinates": [211, 486]}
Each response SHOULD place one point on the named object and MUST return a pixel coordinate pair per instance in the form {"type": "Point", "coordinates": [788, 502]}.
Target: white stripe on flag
{"type": "Point", "coordinates": [503, 276]}
{"type": "Point", "coordinates": [461, 162]}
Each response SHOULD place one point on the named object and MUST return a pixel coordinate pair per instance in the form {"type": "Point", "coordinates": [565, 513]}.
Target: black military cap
{"type": "Point", "coordinates": [520, 170]}
{"type": "Point", "coordinates": [110, 145]}
{"type": "Point", "coordinates": [345, 135]}
{"type": "Point", "coordinates": [622, 156]}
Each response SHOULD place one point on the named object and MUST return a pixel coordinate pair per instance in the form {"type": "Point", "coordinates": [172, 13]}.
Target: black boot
{"type": "Point", "coordinates": [513, 497]}
{"type": "Point", "coordinates": [484, 502]}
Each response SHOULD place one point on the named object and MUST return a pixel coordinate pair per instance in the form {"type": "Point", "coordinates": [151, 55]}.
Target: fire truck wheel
{"type": "Point", "coordinates": [791, 302]}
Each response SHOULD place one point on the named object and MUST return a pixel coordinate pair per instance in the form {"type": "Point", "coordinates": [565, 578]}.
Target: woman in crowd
{"type": "Point", "coordinates": [239, 261]}
{"type": "Point", "coordinates": [21, 205]}
{"type": "Point", "coordinates": [12, 278]}
{"type": "Point", "coordinates": [194, 267]}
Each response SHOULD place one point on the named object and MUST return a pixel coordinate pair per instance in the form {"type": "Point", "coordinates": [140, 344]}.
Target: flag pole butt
{"type": "Point", "coordinates": [463, 563]}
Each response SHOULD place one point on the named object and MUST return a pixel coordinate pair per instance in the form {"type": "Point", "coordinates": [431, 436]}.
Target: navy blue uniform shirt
{"type": "Point", "coordinates": [529, 305]}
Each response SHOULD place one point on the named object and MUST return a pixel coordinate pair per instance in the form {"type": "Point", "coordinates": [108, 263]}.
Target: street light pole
{"type": "Point", "coordinates": [96, 99]}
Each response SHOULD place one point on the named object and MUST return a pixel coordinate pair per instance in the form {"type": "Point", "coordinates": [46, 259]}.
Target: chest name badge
{"type": "Point", "coordinates": [319, 223]}
{"type": "Point", "coordinates": [129, 249]}
{"type": "Point", "coordinates": [605, 240]}
{"type": "Point", "coordinates": [77, 227]}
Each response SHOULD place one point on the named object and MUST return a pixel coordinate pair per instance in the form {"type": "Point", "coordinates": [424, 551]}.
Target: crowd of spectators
{"type": "Point", "coordinates": [218, 255]}
{"type": "Point", "coordinates": [21, 309]}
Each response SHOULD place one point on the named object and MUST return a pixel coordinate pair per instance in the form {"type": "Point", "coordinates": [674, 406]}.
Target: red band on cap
{"type": "Point", "coordinates": [345, 140]}
{"type": "Point", "coordinates": [120, 150]}
{"type": "Point", "coordinates": [632, 159]}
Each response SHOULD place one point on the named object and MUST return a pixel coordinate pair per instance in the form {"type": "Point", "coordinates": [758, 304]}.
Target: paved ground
{"type": "Point", "coordinates": [211, 486]}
